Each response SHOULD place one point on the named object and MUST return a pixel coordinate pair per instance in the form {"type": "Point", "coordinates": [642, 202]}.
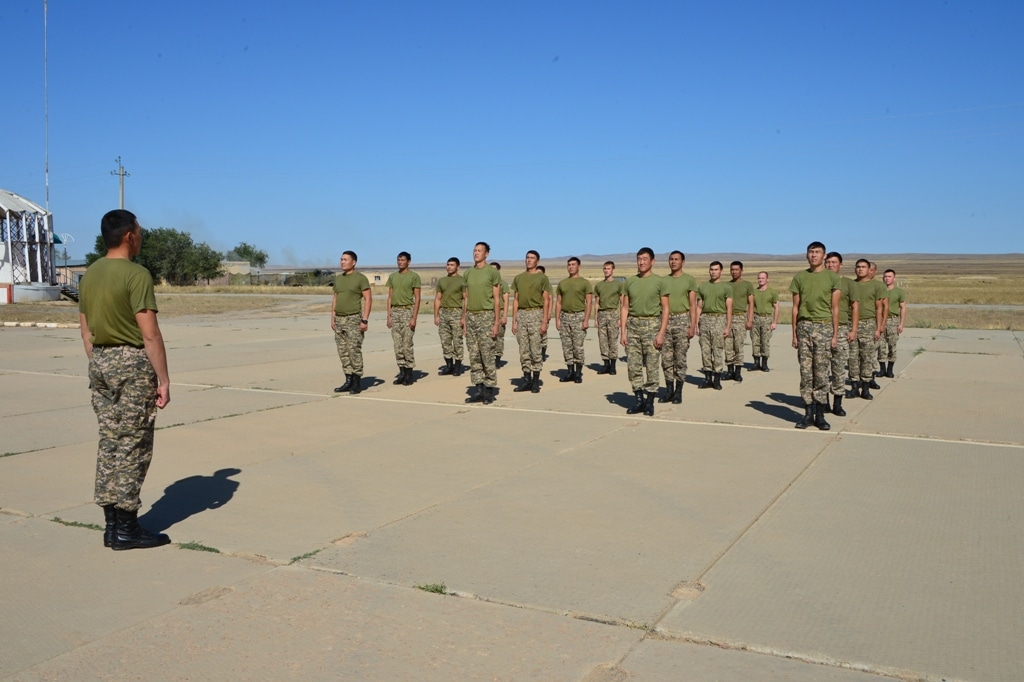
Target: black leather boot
{"type": "Point", "coordinates": [478, 396]}
{"type": "Point", "coordinates": [400, 379]}
{"type": "Point", "coordinates": [873, 384]}
{"type": "Point", "coordinates": [611, 367]}
{"type": "Point", "coordinates": [837, 406]}
{"type": "Point", "coordinates": [717, 376]}
{"type": "Point", "coordinates": [854, 390]}
{"type": "Point", "coordinates": [677, 397]}
{"type": "Point", "coordinates": [670, 390]}
{"type": "Point", "coordinates": [888, 370]}
{"type": "Point", "coordinates": [819, 417]}
{"type": "Point", "coordinates": [757, 364]}
{"type": "Point", "coordinates": [488, 395]}
{"type": "Point", "coordinates": [457, 368]}
{"type": "Point", "coordinates": [864, 392]}
{"type": "Point", "coordinates": [737, 373]}
{"type": "Point", "coordinates": [728, 374]}
{"type": "Point", "coordinates": [357, 384]}
{"type": "Point", "coordinates": [526, 384]}
{"type": "Point", "coordinates": [535, 385]}
{"type": "Point", "coordinates": [638, 406]}
{"type": "Point", "coordinates": [408, 377]}
{"type": "Point", "coordinates": [448, 367]}
{"type": "Point", "coordinates": [764, 364]}
{"type": "Point", "coordinates": [808, 417]}
{"type": "Point", "coordinates": [570, 374]}
{"type": "Point", "coordinates": [579, 373]}
{"type": "Point", "coordinates": [129, 535]}
{"type": "Point", "coordinates": [649, 404]}
{"type": "Point", "coordinates": [708, 381]}
{"type": "Point", "coordinates": [110, 521]}
{"type": "Point", "coordinates": [604, 369]}
{"type": "Point", "coordinates": [345, 387]}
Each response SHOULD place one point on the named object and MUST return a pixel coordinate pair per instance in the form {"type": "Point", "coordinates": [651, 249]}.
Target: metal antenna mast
{"type": "Point", "coordinates": [46, 110]}
{"type": "Point", "coordinates": [122, 173]}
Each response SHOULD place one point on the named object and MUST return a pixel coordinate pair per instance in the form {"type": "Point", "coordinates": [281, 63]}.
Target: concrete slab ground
{"type": "Point", "coordinates": [566, 539]}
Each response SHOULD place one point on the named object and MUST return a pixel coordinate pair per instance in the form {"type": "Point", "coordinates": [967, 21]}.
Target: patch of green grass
{"type": "Point", "coordinates": [76, 524]}
{"type": "Point", "coordinates": [197, 547]}
{"type": "Point", "coordinates": [436, 588]}
{"type": "Point", "coordinates": [8, 454]}
{"type": "Point", "coordinates": [920, 349]}
{"type": "Point", "coordinates": [307, 555]}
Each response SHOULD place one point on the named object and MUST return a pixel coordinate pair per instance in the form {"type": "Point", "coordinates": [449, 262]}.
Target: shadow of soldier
{"type": "Point", "coordinates": [190, 496]}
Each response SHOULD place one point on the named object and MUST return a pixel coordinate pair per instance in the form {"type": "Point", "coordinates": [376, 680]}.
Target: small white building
{"type": "Point", "coordinates": [27, 266]}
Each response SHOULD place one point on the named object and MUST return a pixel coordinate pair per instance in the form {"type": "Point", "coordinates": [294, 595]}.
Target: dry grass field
{"type": "Point", "coordinates": [932, 283]}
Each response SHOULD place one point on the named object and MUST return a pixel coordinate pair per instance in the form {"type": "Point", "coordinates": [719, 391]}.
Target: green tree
{"type": "Point", "coordinates": [248, 252]}
{"type": "Point", "coordinates": [170, 256]}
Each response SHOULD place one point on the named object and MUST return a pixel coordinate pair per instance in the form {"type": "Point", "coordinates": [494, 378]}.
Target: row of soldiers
{"type": "Point", "coordinates": [654, 317]}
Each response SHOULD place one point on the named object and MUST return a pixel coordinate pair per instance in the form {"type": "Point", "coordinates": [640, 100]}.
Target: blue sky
{"type": "Point", "coordinates": [567, 127]}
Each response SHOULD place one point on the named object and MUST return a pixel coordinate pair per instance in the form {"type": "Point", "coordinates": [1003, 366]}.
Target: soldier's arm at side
{"type": "Point", "coordinates": [796, 309]}
{"type": "Point", "coordinates": [86, 335]}
{"type": "Point", "coordinates": [153, 341]}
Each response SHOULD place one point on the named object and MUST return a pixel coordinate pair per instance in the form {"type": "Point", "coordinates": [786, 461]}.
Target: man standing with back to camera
{"type": "Point", "coordinates": [127, 375]}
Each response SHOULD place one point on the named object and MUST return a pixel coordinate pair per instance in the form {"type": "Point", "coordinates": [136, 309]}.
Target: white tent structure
{"type": "Point", "coordinates": [27, 265]}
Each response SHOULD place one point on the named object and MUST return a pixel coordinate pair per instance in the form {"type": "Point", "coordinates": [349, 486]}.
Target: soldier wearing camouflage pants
{"type": "Point", "coordinates": [127, 375]}
{"type": "Point", "coordinates": [499, 342]}
{"type": "Point", "coordinates": [849, 315]}
{"type": "Point", "coordinates": [643, 320]}
{"type": "Point", "coordinates": [448, 302]}
{"type": "Point", "coordinates": [742, 320]}
{"type": "Point", "coordinates": [531, 311]}
{"type": "Point", "coordinates": [871, 295]}
{"type": "Point", "coordinates": [681, 290]}
{"type": "Point", "coordinates": [816, 298]}
{"type": "Point", "coordinates": [403, 310]}
{"type": "Point", "coordinates": [607, 294]}
{"type": "Point", "coordinates": [893, 324]}
{"type": "Point", "coordinates": [714, 324]}
{"type": "Point", "coordinates": [350, 309]}
{"type": "Point", "coordinates": [481, 318]}
{"type": "Point", "coordinates": [573, 298]}
{"type": "Point", "coordinates": [766, 319]}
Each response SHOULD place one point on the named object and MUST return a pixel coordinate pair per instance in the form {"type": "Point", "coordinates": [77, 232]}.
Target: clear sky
{"type": "Point", "coordinates": [308, 128]}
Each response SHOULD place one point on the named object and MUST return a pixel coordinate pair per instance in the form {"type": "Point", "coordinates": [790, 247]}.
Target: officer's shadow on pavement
{"type": "Point", "coordinates": [189, 496]}
{"type": "Point", "coordinates": [783, 406]}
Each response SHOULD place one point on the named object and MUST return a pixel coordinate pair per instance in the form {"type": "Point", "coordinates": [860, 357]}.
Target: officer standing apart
{"type": "Point", "coordinates": [643, 319]}
{"type": "Point", "coordinates": [403, 309]}
{"type": "Point", "coordinates": [897, 307]}
{"type": "Point", "coordinates": [608, 293]}
{"type": "Point", "coordinates": [573, 298]}
{"type": "Point", "coordinates": [742, 320]}
{"type": "Point", "coordinates": [681, 290]}
{"type": "Point", "coordinates": [481, 318]}
{"type": "Point", "coordinates": [766, 319]}
{"type": "Point", "coordinates": [714, 324]}
{"type": "Point", "coordinates": [448, 303]}
{"type": "Point", "coordinates": [350, 308]}
{"type": "Point", "coordinates": [815, 332]}
{"type": "Point", "coordinates": [127, 375]}
{"type": "Point", "coordinates": [531, 311]}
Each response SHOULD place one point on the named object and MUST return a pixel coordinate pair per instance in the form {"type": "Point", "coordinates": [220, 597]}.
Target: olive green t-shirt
{"type": "Point", "coordinates": [713, 297]}
{"type": "Point", "coordinates": [531, 287]}
{"type": "Point", "coordinates": [897, 297]}
{"type": "Point", "coordinates": [111, 292]}
{"type": "Point", "coordinates": [868, 293]}
{"type": "Point", "coordinates": [403, 286]}
{"type": "Point", "coordinates": [847, 287]}
{"type": "Point", "coordinates": [815, 289]}
{"type": "Point", "coordinates": [480, 283]}
{"type": "Point", "coordinates": [740, 291]}
{"type": "Point", "coordinates": [451, 288]}
{"type": "Point", "coordinates": [349, 289]}
{"type": "Point", "coordinates": [678, 291]}
{"type": "Point", "coordinates": [573, 291]}
{"type": "Point", "coordinates": [764, 301]}
{"type": "Point", "coordinates": [609, 294]}
{"type": "Point", "coordinates": [644, 295]}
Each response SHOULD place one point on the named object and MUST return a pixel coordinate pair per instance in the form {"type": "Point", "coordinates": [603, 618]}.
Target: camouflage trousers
{"type": "Point", "coordinates": [401, 335]}
{"type": "Point", "coordinates": [481, 347]}
{"type": "Point", "coordinates": [734, 344]}
{"type": "Point", "coordinates": [608, 333]}
{"type": "Point", "coordinates": [863, 352]}
{"type": "Point", "coordinates": [123, 386]}
{"type": "Point", "coordinates": [499, 343]}
{"type": "Point", "coordinates": [641, 355]}
{"type": "Point", "coordinates": [840, 358]}
{"type": "Point", "coordinates": [677, 345]}
{"type": "Point", "coordinates": [814, 352]}
{"type": "Point", "coordinates": [712, 343]}
{"type": "Point", "coordinates": [450, 331]}
{"type": "Point", "coordinates": [761, 336]}
{"type": "Point", "coordinates": [573, 335]}
{"type": "Point", "coordinates": [349, 340]}
{"type": "Point", "coordinates": [889, 339]}
{"type": "Point", "coordinates": [528, 336]}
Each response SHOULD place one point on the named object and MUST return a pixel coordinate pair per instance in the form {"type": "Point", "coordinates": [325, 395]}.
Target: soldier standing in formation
{"type": "Point", "coordinates": [608, 293]}
{"type": "Point", "coordinates": [573, 298]}
{"type": "Point", "coordinates": [849, 317]}
{"type": "Point", "coordinates": [815, 332]}
{"type": "Point", "coordinates": [127, 376]}
{"type": "Point", "coordinates": [499, 343]}
{"type": "Point", "coordinates": [897, 307]}
{"type": "Point", "coordinates": [714, 324]}
{"type": "Point", "coordinates": [681, 290]}
{"type": "Point", "coordinates": [766, 319]}
{"type": "Point", "coordinates": [403, 308]}
{"type": "Point", "coordinates": [350, 314]}
{"type": "Point", "coordinates": [871, 295]}
{"type": "Point", "coordinates": [643, 319]}
{"type": "Point", "coordinates": [742, 320]}
{"type": "Point", "coordinates": [448, 303]}
{"type": "Point", "coordinates": [531, 311]}
{"type": "Point", "coordinates": [481, 318]}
